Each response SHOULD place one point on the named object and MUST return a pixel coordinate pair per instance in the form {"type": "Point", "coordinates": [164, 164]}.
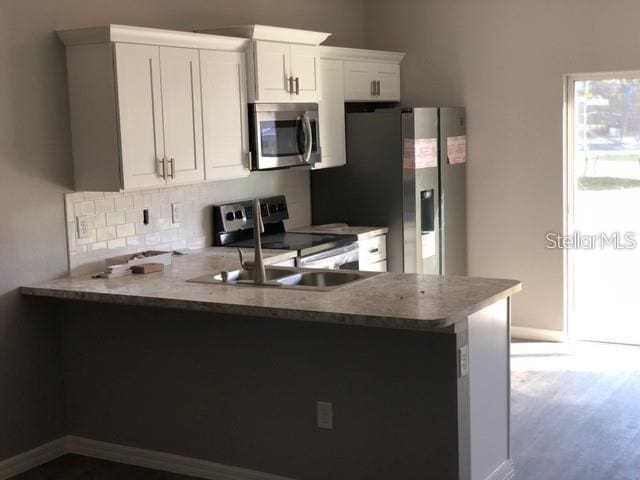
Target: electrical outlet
{"type": "Point", "coordinates": [325, 415]}
{"type": "Point", "coordinates": [177, 211]}
{"type": "Point", "coordinates": [463, 361]}
{"type": "Point", "coordinates": [82, 227]}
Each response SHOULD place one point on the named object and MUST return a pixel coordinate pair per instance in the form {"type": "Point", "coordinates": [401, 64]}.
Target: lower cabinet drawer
{"type": "Point", "coordinates": [373, 250]}
{"type": "Point", "coordinates": [374, 267]}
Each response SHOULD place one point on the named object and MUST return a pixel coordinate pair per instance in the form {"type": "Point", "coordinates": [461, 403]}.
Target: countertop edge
{"type": "Point", "coordinates": [371, 321]}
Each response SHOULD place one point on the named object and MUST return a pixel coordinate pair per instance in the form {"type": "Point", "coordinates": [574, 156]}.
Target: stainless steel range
{"type": "Point", "coordinates": [233, 227]}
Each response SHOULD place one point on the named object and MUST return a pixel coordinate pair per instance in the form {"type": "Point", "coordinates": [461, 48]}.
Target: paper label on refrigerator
{"type": "Point", "coordinates": [420, 153]}
{"type": "Point", "coordinates": [428, 245]}
{"type": "Point", "coordinates": [457, 149]}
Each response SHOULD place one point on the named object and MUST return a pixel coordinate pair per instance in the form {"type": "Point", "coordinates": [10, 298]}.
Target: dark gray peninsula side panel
{"type": "Point", "coordinates": [243, 391]}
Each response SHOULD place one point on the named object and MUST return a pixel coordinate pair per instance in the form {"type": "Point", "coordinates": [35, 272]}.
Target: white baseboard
{"type": "Point", "coordinates": [166, 462]}
{"type": "Point", "coordinates": [32, 458]}
{"type": "Point", "coordinates": [503, 472]}
{"type": "Point", "coordinates": [539, 334]}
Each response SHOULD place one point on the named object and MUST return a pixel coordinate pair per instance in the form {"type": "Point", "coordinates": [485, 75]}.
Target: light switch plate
{"type": "Point", "coordinates": [177, 212]}
{"type": "Point", "coordinates": [325, 415]}
{"type": "Point", "coordinates": [463, 361]}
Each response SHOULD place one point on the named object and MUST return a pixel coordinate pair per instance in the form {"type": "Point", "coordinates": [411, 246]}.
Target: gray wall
{"type": "Point", "coordinates": [505, 60]}
{"type": "Point", "coordinates": [243, 391]}
{"type": "Point", "coordinates": [35, 155]}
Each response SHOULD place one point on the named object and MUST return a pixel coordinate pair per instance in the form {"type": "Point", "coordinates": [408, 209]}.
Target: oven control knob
{"type": "Point", "coordinates": [264, 210]}
{"type": "Point", "coordinates": [273, 208]}
{"type": "Point", "coordinates": [230, 216]}
{"type": "Point", "coordinates": [239, 214]}
{"type": "Point", "coordinates": [282, 207]}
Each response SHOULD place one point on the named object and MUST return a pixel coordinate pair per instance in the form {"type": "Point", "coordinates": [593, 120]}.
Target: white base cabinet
{"type": "Point", "coordinates": [154, 107]}
{"type": "Point", "coordinates": [373, 254]}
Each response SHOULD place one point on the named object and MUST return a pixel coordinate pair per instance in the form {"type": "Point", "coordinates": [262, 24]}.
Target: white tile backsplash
{"type": "Point", "coordinates": [115, 220]}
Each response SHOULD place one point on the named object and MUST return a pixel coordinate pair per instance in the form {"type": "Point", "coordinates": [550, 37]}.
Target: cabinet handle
{"type": "Point", "coordinates": [162, 164]}
{"type": "Point", "coordinates": [373, 88]}
{"type": "Point", "coordinates": [378, 87]}
{"type": "Point", "coordinates": [172, 172]}
{"type": "Point", "coordinates": [297, 86]}
{"type": "Point", "coordinates": [374, 250]}
{"type": "Point", "coordinates": [290, 90]}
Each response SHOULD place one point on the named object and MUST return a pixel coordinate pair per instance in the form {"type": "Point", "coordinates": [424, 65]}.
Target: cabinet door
{"type": "Point", "coordinates": [272, 71]}
{"type": "Point", "coordinates": [331, 113]}
{"type": "Point", "coordinates": [304, 69]}
{"type": "Point", "coordinates": [358, 81]}
{"type": "Point", "coordinates": [389, 77]}
{"type": "Point", "coordinates": [224, 114]}
{"type": "Point", "coordinates": [182, 113]}
{"type": "Point", "coordinates": [140, 114]}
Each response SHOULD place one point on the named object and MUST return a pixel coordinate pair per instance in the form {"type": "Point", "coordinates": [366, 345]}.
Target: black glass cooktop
{"type": "Point", "coordinates": [305, 243]}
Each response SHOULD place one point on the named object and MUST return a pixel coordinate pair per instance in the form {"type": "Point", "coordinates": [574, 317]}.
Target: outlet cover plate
{"type": "Point", "coordinates": [325, 415]}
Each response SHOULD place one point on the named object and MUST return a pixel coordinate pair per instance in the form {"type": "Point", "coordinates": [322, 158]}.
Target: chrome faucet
{"type": "Point", "coordinates": [259, 277]}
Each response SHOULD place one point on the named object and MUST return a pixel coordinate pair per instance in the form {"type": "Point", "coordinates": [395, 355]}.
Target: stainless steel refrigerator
{"type": "Point", "coordinates": [406, 169]}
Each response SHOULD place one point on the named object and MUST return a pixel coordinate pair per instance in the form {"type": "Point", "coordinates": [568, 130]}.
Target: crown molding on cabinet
{"type": "Point", "coordinates": [274, 34]}
{"type": "Point", "coordinates": [151, 36]}
{"type": "Point", "coordinates": [360, 55]}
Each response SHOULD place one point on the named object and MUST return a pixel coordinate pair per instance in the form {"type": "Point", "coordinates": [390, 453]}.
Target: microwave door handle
{"type": "Point", "coordinates": [308, 138]}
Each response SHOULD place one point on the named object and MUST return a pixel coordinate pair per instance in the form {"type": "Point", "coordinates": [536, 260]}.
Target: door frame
{"type": "Point", "coordinates": [569, 329]}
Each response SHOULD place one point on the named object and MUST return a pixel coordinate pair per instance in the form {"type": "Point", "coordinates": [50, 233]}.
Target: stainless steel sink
{"type": "Point", "coordinates": [243, 276]}
{"type": "Point", "coordinates": [290, 278]}
{"type": "Point", "coordinates": [322, 279]}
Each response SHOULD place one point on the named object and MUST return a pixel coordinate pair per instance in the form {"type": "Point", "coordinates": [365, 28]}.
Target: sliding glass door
{"type": "Point", "coordinates": [603, 208]}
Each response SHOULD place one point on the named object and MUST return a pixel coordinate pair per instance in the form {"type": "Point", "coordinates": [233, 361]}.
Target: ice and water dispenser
{"type": "Point", "coordinates": [428, 229]}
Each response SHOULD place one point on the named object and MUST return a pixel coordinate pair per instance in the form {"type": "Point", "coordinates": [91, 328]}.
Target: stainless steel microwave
{"type": "Point", "coordinates": [283, 135]}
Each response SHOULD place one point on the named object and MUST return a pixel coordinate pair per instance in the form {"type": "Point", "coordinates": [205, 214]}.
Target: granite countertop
{"type": "Point", "coordinates": [361, 232]}
{"type": "Point", "coordinates": [387, 300]}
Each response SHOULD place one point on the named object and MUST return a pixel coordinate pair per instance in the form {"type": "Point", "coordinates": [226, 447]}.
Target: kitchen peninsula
{"type": "Point", "coordinates": [416, 369]}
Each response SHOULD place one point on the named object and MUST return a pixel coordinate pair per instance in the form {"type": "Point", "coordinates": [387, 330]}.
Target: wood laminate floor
{"type": "Point", "coordinates": [575, 411]}
{"type": "Point", "coordinates": [575, 416]}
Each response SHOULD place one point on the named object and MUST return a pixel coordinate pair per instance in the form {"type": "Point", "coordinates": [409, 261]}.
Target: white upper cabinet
{"type": "Point", "coordinates": [182, 114]}
{"type": "Point", "coordinates": [273, 71]}
{"type": "Point", "coordinates": [331, 115]}
{"type": "Point", "coordinates": [388, 77]}
{"type": "Point", "coordinates": [306, 73]}
{"type": "Point", "coordinates": [285, 73]}
{"type": "Point", "coordinates": [347, 75]}
{"type": "Point", "coordinates": [224, 114]}
{"type": "Point", "coordinates": [140, 116]}
{"type": "Point", "coordinates": [283, 63]}
{"type": "Point", "coordinates": [369, 75]}
{"type": "Point", "coordinates": [140, 108]}
{"type": "Point", "coordinates": [372, 81]}
{"type": "Point", "coordinates": [358, 81]}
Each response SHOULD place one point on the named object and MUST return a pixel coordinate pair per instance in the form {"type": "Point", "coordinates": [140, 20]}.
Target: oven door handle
{"type": "Point", "coordinates": [308, 137]}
